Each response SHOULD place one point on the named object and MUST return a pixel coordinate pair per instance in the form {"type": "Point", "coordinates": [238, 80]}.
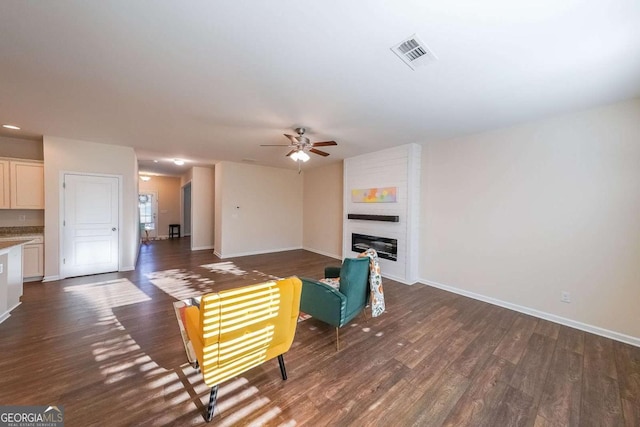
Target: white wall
{"type": "Point", "coordinates": [260, 209]}
{"type": "Point", "coordinates": [202, 208]}
{"type": "Point", "coordinates": [322, 210]}
{"type": "Point", "coordinates": [65, 155]}
{"type": "Point", "coordinates": [397, 167]}
{"type": "Point", "coordinates": [521, 214]}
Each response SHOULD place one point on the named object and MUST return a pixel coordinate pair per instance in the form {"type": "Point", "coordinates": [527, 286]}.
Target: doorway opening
{"type": "Point", "coordinates": [186, 209]}
{"type": "Point", "coordinates": [147, 210]}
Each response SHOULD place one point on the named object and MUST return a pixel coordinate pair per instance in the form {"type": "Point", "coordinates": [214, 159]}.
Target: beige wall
{"type": "Point", "coordinates": [521, 214]}
{"type": "Point", "coordinates": [21, 148]}
{"type": "Point", "coordinates": [322, 210]}
{"type": "Point", "coordinates": [260, 209]}
{"type": "Point", "coordinates": [168, 191]}
{"type": "Point", "coordinates": [202, 208]}
{"type": "Point", "coordinates": [12, 217]}
{"type": "Point", "coordinates": [65, 155]}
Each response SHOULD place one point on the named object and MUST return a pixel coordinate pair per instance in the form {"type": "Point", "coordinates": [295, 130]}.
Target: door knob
{"type": "Point", "coordinates": [113, 229]}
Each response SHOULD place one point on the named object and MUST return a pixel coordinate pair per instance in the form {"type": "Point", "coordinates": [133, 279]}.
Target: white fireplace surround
{"type": "Point", "coordinates": [395, 167]}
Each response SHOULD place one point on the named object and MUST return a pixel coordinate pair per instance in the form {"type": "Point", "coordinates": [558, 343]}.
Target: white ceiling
{"type": "Point", "coordinates": [212, 80]}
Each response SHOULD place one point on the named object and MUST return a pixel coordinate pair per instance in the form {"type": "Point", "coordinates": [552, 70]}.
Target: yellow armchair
{"type": "Point", "coordinates": [238, 329]}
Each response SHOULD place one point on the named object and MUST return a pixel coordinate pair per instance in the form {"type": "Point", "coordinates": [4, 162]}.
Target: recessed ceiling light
{"type": "Point", "coordinates": [11, 127]}
{"type": "Point", "coordinates": [155, 161]}
{"type": "Point", "coordinates": [145, 178]}
{"type": "Point", "coordinates": [178, 162]}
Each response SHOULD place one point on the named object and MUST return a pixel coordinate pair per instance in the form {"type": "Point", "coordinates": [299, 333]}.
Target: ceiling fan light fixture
{"type": "Point", "coordinates": [300, 146]}
{"type": "Point", "coordinates": [299, 155]}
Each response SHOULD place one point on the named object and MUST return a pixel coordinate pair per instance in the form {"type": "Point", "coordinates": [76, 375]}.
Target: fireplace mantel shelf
{"type": "Point", "coordinates": [366, 217]}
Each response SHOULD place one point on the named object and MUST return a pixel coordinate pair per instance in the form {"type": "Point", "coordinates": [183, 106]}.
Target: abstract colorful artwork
{"type": "Point", "coordinates": [374, 195]}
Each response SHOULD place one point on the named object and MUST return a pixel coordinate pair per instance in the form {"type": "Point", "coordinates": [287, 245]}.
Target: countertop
{"type": "Point", "coordinates": [21, 231]}
{"type": "Point", "coordinates": [11, 243]}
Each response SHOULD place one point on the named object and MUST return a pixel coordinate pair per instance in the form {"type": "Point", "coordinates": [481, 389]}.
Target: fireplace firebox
{"type": "Point", "coordinates": [386, 248]}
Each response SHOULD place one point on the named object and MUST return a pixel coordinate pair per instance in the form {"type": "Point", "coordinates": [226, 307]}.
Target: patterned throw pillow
{"type": "Point", "coordinates": [333, 282]}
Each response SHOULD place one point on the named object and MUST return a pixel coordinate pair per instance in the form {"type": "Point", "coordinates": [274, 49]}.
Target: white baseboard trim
{"type": "Point", "coordinates": [202, 248]}
{"type": "Point", "coordinates": [397, 279]}
{"type": "Point", "coordinates": [4, 316]}
{"type": "Point", "coordinates": [50, 278]}
{"type": "Point", "coordinates": [319, 252]}
{"type": "Point", "coordinates": [128, 268]}
{"type": "Point", "coordinates": [14, 307]}
{"type": "Point", "coordinates": [635, 341]}
{"type": "Point", "coordinates": [266, 251]}
{"type": "Point", "coordinates": [216, 253]}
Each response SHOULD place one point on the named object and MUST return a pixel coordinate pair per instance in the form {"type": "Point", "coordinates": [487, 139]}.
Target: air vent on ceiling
{"type": "Point", "coordinates": [414, 52]}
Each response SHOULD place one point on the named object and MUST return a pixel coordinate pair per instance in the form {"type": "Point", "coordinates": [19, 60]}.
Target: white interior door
{"type": "Point", "coordinates": [90, 225]}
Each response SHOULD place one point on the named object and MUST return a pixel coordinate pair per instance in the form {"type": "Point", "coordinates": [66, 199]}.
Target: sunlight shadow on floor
{"type": "Point", "coordinates": [109, 294]}
{"type": "Point", "coordinates": [180, 284]}
{"type": "Point", "coordinates": [226, 267]}
{"type": "Point", "coordinates": [127, 370]}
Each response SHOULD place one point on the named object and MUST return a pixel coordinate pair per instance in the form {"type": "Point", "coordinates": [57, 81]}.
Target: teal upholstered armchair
{"type": "Point", "coordinates": [338, 306]}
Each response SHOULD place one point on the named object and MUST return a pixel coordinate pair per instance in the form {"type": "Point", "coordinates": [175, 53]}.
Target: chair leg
{"type": "Point", "coordinates": [337, 339]}
{"type": "Point", "coordinates": [283, 370]}
{"type": "Point", "coordinates": [364, 312]}
{"type": "Point", "coordinates": [212, 403]}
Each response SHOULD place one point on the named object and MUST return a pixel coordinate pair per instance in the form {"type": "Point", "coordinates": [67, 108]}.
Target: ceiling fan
{"type": "Point", "coordinates": [301, 145]}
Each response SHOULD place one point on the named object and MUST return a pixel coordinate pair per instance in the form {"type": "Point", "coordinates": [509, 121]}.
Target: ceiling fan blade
{"type": "Point", "coordinates": [322, 153]}
{"type": "Point", "coordinates": [290, 153]}
{"type": "Point", "coordinates": [292, 138]}
{"type": "Point", "coordinates": [275, 145]}
{"type": "Point", "coordinates": [324, 143]}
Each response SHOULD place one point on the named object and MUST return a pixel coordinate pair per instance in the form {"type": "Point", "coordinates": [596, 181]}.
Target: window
{"type": "Point", "coordinates": [145, 207]}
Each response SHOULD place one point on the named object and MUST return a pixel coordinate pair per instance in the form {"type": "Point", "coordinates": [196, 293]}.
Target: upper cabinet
{"type": "Point", "coordinates": [22, 184]}
{"type": "Point", "coordinates": [5, 199]}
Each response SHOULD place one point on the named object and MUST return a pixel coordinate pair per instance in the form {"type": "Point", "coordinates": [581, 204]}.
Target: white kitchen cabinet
{"type": "Point", "coordinates": [32, 255]}
{"type": "Point", "coordinates": [27, 184]}
{"type": "Point", "coordinates": [5, 199]}
{"type": "Point", "coordinates": [10, 276]}
{"type": "Point", "coordinates": [33, 261]}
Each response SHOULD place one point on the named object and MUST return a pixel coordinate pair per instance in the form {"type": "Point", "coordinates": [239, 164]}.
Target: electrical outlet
{"type": "Point", "coordinates": [22, 218]}
{"type": "Point", "coordinates": [565, 296]}
{"type": "Point", "coordinates": [1, 268]}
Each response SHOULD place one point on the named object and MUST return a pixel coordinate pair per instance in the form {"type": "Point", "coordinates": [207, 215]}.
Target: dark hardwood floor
{"type": "Point", "coordinates": [108, 349]}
